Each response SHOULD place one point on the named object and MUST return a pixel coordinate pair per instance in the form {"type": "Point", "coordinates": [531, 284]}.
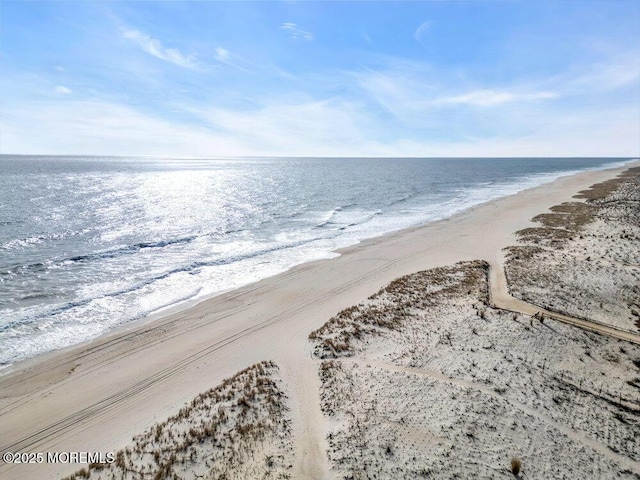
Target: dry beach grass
{"type": "Point", "coordinates": [239, 429]}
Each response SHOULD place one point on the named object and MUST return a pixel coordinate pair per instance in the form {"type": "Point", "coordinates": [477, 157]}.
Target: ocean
{"type": "Point", "coordinates": [88, 244]}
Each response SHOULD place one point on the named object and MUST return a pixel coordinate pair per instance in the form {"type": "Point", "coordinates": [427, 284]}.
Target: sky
{"type": "Point", "coordinates": [301, 78]}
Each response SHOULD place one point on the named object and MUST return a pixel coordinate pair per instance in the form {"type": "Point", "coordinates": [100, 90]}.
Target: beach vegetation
{"type": "Point", "coordinates": [516, 466]}
{"type": "Point", "coordinates": [399, 304]}
{"type": "Point", "coordinates": [219, 429]}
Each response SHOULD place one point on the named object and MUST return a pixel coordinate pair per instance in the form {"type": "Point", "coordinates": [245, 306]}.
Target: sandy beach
{"type": "Point", "coordinates": [97, 397]}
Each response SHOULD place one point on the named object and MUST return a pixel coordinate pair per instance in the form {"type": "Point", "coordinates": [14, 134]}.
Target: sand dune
{"type": "Point", "coordinates": [584, 259]}
{"type": "Point", "coordinates": [431, 382]}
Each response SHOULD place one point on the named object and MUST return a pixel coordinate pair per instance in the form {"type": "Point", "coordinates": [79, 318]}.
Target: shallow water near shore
{"type": "Point", "coordinates": [91, 243]}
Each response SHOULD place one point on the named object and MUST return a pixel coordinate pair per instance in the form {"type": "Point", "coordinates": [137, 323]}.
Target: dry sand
{"type": "Point", "coordinates": [96, 397]}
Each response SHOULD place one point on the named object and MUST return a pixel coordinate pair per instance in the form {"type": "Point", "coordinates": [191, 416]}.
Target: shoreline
{"type": "Point", "coordinates": [149, 368]}
{"type": "Point", "coordinates": [185, 305]}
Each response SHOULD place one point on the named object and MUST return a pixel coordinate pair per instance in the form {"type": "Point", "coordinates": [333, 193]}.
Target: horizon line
{"type": "Point", "coordinates": [231, 157]}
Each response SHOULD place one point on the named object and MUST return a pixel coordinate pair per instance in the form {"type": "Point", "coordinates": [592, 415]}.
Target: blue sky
{"type": "Point", "coordinates": [438, 78]}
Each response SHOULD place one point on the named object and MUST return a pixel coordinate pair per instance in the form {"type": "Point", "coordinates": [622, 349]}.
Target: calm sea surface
{"type": "Point", "coordinates": [91, 243]}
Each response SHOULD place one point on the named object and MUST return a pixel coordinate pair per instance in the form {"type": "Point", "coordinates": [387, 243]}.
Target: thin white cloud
{"type": "Point", "coordinates": [154, 47]}
{"type": "Point", "coordinates": [403, 109]}
{"type": "Point", "coordinates": [401, 90]}
{"type": "Point", "coordinates": [222, 54]}
{"type": "Point", "coordinates": [297, 128]}
{"type": "Point", "coordinates": [296, 33]}
{"type": "Point", "coordinates": [226, 57]}
{"type": "Point", "coordinates": [99, 127]}
{"type": "Point", "coordinates": [63, 90]}
{"type": "Point", "coordinates": [419, 97]}
{"type": "Point", "coordinates": [438, 113]}
{"type": "Point", "coordinates": [588, 134]}
{"type": "Point", "coordinates": [421, 33]}
{"type": "Point", "coordinates": [620, 71]}
{"type": "Point", "coordinates": [491, 98]}
{"type": "Point", "coordinates": [323, 128]}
